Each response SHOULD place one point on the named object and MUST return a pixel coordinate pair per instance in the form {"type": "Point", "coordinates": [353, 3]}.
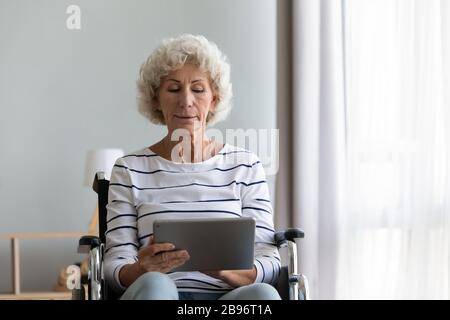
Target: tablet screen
{"type": "Point", "coordinates": [212, 244]}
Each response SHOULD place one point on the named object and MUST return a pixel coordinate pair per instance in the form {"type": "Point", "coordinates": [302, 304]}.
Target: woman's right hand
{"type": "Point", "coordinates": [160, 257]}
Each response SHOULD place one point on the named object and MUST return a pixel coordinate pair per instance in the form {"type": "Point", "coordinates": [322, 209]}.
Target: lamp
{"type": "Point", "coordinates": [99, 160]}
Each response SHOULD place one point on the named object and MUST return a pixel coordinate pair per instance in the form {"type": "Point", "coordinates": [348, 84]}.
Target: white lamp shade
{"type": "Point", "coordinates": [100, 160]}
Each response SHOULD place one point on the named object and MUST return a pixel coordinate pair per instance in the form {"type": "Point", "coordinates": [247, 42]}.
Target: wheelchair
{"type": "Point", "coordinates": [291, 285]}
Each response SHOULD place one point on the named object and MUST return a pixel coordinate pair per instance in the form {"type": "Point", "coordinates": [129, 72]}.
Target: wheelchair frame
{"type": "Point", "coordinates": [291, 284]}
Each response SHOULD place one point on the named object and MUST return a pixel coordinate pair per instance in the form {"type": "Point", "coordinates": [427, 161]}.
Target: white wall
{"type": "Point", "coordinates": [63, 92]}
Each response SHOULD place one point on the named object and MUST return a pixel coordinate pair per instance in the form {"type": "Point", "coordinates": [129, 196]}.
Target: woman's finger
{"type": "Point", "coordinates": [178, 254]}
{"type": "Point", "coordinates": [156, 248]}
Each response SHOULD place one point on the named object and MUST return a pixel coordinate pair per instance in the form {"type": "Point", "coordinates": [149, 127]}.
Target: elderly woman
{"type": "Point", "coordinates": [185, 85]}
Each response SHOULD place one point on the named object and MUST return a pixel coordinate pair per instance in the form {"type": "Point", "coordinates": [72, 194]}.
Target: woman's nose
{"type": "Point", "coordinates": [186, 99]}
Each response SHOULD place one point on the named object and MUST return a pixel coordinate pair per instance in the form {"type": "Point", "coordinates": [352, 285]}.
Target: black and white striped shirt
{"type": "Point", "coordinates": [144, 187]}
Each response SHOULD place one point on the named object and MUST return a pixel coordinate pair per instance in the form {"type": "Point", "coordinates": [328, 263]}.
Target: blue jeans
{"type": "Point", "coordinates": [159, 286]}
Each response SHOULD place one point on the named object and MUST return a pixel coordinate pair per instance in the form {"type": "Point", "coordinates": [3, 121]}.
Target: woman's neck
{"type": "Point", "coordinates": [187, 149]}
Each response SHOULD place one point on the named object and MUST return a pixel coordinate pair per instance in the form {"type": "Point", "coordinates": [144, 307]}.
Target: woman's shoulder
{"type": "Point", "coordinates": [240, 154]}
{"type": "Point", "coordinates": [142, 154]}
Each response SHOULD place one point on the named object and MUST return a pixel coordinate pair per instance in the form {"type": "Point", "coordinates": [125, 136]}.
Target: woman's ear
{"type": "Point", "coordinates": [214, 102]}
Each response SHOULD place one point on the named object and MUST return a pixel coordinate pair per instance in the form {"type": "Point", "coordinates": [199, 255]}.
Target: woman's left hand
{"type": "Point", "coordinates": [235, 278]}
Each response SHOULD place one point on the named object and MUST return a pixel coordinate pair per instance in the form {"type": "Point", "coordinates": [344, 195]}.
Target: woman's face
{"type": "Point", "coordinates": [185, 98]}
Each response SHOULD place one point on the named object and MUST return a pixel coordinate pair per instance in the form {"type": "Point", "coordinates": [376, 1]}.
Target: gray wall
{"type": "Point", "coordinates": [63, 92]}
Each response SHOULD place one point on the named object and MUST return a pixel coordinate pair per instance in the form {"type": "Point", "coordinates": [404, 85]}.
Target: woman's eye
{"type": "Point", "coordinates": [176, 89]}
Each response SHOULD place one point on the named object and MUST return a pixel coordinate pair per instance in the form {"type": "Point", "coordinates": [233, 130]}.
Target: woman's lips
{"type": "Point", "coordinates": [185, 119]}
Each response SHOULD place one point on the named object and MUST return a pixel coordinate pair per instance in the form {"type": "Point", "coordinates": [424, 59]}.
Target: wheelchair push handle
{"type": "Point", "coordinates": [288, 235]}
{"type": "Point", "coordinates": [86, 243]}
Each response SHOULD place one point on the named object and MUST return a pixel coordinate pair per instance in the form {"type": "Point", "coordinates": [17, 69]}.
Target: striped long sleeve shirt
{"type": "Point", "coordinates": [145, 187]}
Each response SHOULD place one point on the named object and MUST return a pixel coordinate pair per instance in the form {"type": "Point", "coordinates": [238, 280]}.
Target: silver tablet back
{"type": "Point", "coordinates": [213, 244]}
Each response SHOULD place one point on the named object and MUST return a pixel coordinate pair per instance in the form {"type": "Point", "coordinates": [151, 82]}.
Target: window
{"type": "Point", "coordinates": [396, 238]}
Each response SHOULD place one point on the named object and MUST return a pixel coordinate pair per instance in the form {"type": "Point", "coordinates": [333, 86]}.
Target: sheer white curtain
{"type": "Point", "coordinates": [395, 239]}
{"type": "Point", "coordinates": [318, 145]}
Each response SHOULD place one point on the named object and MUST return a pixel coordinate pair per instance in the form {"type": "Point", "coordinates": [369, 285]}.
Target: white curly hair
{"type": "Point", "coordinates": [172, 54]}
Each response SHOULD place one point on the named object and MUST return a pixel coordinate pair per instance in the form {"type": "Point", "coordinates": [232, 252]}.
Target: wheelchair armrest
{"type": "Point", "coordinates": [86, 243]}
{"type": "Point", "coordinates": [98, 176]}
{"type": "Point", "coordinates": [288, 235]}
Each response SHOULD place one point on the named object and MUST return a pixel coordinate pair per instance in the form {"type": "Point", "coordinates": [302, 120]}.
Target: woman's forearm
{"type": "Point", "coordinates": [129, 273]}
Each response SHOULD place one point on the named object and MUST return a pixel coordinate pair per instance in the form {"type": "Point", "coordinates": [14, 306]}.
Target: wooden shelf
{"type": "Point", "coordinates": [41, 235]}
{"type": "Point", "coordinates": [37, 296]}
{"type": "Point", "coordinates": [14, 239]}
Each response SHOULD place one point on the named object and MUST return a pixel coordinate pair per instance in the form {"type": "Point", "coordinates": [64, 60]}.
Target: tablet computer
{"type": "Point", "coordinates": [212, 244]}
